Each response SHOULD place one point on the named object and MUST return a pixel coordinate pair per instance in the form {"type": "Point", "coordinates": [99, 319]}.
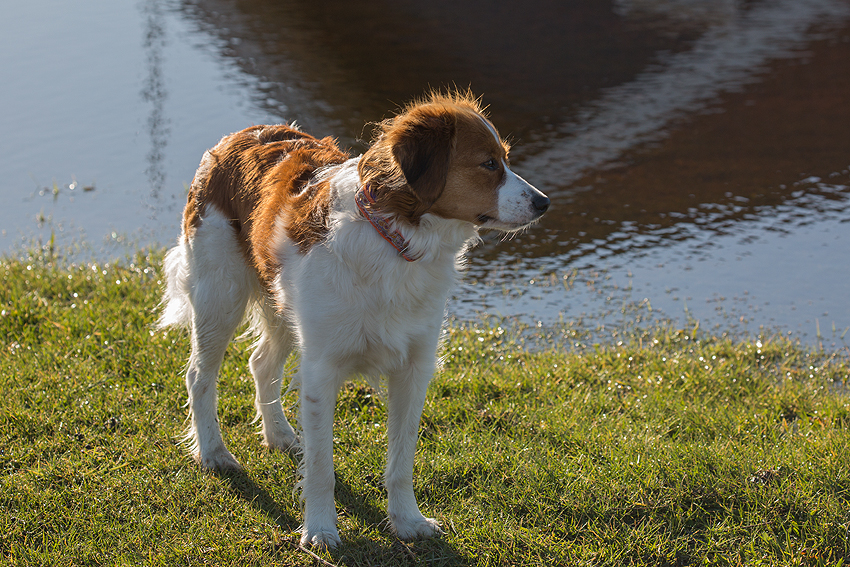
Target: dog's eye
{"type": "Point", "coordinates": [490, 164]}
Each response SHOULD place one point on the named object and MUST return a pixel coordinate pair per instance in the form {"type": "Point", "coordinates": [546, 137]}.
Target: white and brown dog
{"type": "Point", "coordinates": [350, 259]}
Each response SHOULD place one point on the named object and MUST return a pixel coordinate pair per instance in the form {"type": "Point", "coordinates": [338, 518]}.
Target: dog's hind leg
{"type": "Point", "coordinates": [219, 289]}
{"type": "Point", "coordinates": [267, 364]}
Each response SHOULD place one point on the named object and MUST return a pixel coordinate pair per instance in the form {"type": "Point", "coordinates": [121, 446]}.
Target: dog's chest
{"type": "Point", "coordinates": [397, 300]}
{"type": "Point", "coordinates": [369, 316]}
{"type": "Point", "coordinates": [395, 319]}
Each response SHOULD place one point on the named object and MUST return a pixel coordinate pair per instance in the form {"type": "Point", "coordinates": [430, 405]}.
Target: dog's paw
{"type": "Point", "coordinates": [416, 528]}
{"type": "Point", "coordinates": [320, 538]}
{"type": "Point", "coordinates": [281, 439]}
{"type": "Point", "coordinates": [219, 460]}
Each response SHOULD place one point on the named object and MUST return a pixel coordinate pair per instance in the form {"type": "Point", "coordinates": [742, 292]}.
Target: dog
{"type": "Point", "coordinates": [349, 259]}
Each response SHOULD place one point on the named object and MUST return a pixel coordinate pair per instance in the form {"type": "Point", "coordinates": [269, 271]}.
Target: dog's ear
{"type": "Point", "coordinates": [422, 147]}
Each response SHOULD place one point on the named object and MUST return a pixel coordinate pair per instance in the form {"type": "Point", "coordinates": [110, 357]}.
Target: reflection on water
{"type": "Point", "coordinates": [155, 93]}
{"type": "Point", "coordinates": [336, 64]}
{"type": "Point", "coordinates": [696, 151]}
{"type": "Point", "coordinates": [682, 12]}
{"type": "Point", "coordinates": [728, 56]}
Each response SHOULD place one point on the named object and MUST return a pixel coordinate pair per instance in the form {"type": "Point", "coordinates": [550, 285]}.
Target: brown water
{"type": "Point", "coordinates": [697, 153]}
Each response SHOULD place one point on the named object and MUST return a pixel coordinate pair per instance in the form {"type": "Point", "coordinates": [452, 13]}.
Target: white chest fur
{"type": "Point", "coordinates": [354, 300]}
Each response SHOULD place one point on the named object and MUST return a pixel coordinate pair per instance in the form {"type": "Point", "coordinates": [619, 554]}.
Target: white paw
{"type": "Point", "coordinates": [418, 527]}
{"type": "Point", "coordinates": [217, 460]}
{"type": "Point", "coordinates": [280, 439]}
{"type": "Point", "coordinates": [321, 538]}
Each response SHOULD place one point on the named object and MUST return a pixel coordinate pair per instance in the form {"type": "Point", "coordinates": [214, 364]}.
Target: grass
{"type": "Point", "coordinates": [662, 447]}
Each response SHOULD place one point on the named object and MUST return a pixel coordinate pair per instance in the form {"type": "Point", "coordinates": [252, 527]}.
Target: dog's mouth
{"type": "Point", "coordinates": [493, 223]}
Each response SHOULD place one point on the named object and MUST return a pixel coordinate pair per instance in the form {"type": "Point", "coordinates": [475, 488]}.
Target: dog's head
{"type": "Point", "coordinates": [442, 156]}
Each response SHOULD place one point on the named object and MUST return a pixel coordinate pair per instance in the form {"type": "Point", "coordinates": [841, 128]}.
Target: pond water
{"type": "Point", "coordinates": [696, 151]}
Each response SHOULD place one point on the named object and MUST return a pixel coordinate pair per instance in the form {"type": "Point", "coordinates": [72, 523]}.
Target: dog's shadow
{"type": "Point", "coordinates": [355, 504]}
{"type": "Point", "coordinates": [248, 489]}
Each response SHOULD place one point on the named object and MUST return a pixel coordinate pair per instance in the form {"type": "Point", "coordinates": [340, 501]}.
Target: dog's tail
{"type": "Point", "coordinates": [176, 308]}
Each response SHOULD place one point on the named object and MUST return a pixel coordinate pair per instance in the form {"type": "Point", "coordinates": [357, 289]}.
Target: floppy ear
{"type": "Point", "coordinates": [422, 146]}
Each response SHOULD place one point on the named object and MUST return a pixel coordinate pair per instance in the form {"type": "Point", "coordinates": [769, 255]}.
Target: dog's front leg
{"type": "Point", "coordinates": [319, 386]}
{"type": "Point", "coordinates": [406, 390]}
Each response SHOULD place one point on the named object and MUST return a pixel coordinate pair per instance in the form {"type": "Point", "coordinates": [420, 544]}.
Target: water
{"type": "Point", "coordinates": [697, 152]}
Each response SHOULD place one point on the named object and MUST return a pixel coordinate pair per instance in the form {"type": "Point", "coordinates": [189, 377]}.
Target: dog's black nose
{"type": "Point", "coordinates": [540, 203]}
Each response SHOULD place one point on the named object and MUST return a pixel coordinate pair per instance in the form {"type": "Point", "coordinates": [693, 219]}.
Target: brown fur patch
{"type": "Point", "coordinates": [428, 159]}
{"type": "Point", "coordinates": [253, 176]}
{"type": "Point", "coordinates": [471, 190]}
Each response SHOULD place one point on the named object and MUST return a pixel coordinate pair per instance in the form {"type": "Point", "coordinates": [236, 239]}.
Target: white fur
{"type": "Point", "coordinates": [353, 306]}
{"type": "Point", "coordinates": [515, 198]}
{"type": "Point", "coordinates": [492, 129]}
{"type": "Point", "coordinates": [208, 288]}
{"type": "Point", "coordinates": [358, 308]}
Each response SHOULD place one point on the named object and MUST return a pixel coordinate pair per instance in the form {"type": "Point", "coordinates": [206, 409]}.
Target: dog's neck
{"type": "Point", "coordinates": [365, 200]}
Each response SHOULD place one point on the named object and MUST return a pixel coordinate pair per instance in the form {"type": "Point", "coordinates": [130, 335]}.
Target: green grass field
{"type": "Point", "coordinates": [660, 447]}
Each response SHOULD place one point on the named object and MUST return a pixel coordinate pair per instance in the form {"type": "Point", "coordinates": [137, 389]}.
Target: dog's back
{"type": "Point", "coordinates": [251, 176]}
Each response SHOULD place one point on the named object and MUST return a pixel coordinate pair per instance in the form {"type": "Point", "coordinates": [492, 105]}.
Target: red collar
{"type": "Point", "coordinates": [365, 200]}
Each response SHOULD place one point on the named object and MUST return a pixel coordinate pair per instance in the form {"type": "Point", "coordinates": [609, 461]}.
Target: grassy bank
{"type": "Point", "coordinates": [667, 447]}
